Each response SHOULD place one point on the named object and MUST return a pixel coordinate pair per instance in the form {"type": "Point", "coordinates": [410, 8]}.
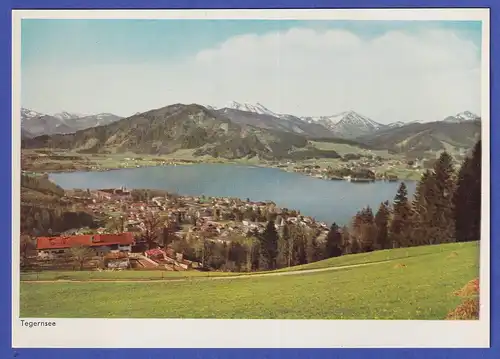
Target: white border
{"type": "Point", "coordinates": [116, 333]}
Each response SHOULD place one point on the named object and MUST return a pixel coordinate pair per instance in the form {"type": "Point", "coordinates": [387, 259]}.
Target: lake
{"type": "Point", "coordinates": [328, 201]}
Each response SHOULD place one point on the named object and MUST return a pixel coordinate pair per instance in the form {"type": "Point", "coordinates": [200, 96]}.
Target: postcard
{"type": "Point", "coordinates": [251, 178]}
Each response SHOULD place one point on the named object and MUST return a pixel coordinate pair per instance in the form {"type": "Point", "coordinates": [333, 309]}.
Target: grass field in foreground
{"type": "Point", "coordinates": [421, 290]}
{"type": "Point", "coordinates": [119, 275]}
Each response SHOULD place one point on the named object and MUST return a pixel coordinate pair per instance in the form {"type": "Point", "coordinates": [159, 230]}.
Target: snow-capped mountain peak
{"type": "Point", "coordinates": [462, 117]}
{"type": "Point", "coordinates": [352, 118]}
{"type": "Point", "coordinates": [247, 107]}
{"type": "Point", "coordinates": [467, 116]}
{"type": "Point", "coordinates": [27, 114]}
{"type": "Point", "coordinates": [348, 123]}
{"type": "Point", "coordinates": [345, 118]}
{"type": "Point", "coordinates": [396, 124]}
{"type": "Point", "coordinates": [65, 115]}
{"type": "Point", "coordinates": [37, 123]}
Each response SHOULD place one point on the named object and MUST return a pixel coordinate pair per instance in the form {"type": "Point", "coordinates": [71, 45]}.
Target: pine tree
{"type": "Point", "coordinates": [440, 200]}
{"type": "Point", "coordinates": [382, 225]}
{"type": "Point", "coordinates": [268, 247]}
{"type": "Point", "coordinates": [364, 229]}
{"type": "Point", "coordinates": [400, 225]}
{"type": "Point", "coordinates": [368, 232]}
{"type": "Point", "coordinates": [333, 246]}
{"type": "Point", "coordinates": [423, 211]}
{"type": "Point", "coordinates": [467, 198]}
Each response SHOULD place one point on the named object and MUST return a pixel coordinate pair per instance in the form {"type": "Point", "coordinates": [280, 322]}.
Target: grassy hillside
{"type": "Point", "coordinates": [349, 148]}
{"type": "Point", "coordinates": [418, 283]}
{"type": "Point", "coordinates": [419, 138]}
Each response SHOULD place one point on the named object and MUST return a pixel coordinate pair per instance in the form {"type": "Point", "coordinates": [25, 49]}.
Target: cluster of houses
{"type": "Point", "coordinates": [107, 246]}
{"type": "Point", "coordinates": [117, 250]}
{"type": "Point", "coordinates": [215, 219]}
{"type": "Point", "coordinates": [378, 166]}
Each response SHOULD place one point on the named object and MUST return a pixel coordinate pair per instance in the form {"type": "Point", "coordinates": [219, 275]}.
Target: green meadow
{"type": "Point", "coordinates": [409, 283]}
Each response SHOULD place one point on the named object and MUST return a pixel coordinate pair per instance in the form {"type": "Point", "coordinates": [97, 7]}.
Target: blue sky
{"type": "Point", "coordinates": [78, 49]}
{"type": "Point", "coordinates": [117, 41]}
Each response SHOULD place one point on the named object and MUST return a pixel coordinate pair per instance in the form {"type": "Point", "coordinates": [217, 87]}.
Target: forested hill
{"type": "Point", "coordinates": [168, 129]}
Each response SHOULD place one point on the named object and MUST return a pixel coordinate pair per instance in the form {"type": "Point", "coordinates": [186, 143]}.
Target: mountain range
{"type": "Point", "coordinates": [347, 124]}
{"type": "Point", "coordinates": [176, 127]}
{"type": "Point", "coordinates": [235, 132]}
{"type": "Point", "coordinates": [34, 123]}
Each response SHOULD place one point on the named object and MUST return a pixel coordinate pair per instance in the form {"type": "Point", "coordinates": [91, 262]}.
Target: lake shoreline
{"type": "Point", "coordinates": [52, 161]}
{"type": "Point", "coordinates": [87, 170]}
{"type": "Point", "coordinates": [325, 200]}
{"type": "Point", "coordinates": [234, 163]}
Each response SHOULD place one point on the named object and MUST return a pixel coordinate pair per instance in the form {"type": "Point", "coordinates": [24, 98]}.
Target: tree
{"type": "Point", "coordinates": [400, 226]}
{"type": "Point", "coordinates": [300, 245]}
{"type": "Point", "coordinates": [382, 226]}
{"type": "Point", "coordinates": [367, 230]}
{"type": "Point", "coordinates": [26, 246]}
{"type": "Point", "coordinates": [313, 249]}
{"type": "Point", "coordinates": [290, 246]}
{"type": "Point", "coordinates": [169, 234]}
{"type": "Point", "coordinates": [237, 254]}
{"type": "Point", "coordinates": [252, 252]}
{"type": "Point", "coordinates": [282, 259]}
{"type": "Point", "coordinates": [423, 211]}
{"type": "Point", "coordinates": [268, 247]}
{"type": "Point", "coordinates": [203, 252]}
{"type": "Point", "coordinates": [441, 200]}
{"type": "Point", "coordinates": [81, 254]}
{"type": "Point", "coordinates": [152, 225]}
{"type": "Point", "coordinates": [333, 246]}
{"type": "Point", "coordinates": [354, 246]}
{"type": "Point", "coordinates": [467, 198]}
{"type": "Point", "coordinates": [116, 224]}
{"type": "Point", "coordinates": [364, 230]}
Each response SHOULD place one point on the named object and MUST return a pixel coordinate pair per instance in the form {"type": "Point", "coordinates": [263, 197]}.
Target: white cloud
{"type": "Point", "coordinates": [395, 77]}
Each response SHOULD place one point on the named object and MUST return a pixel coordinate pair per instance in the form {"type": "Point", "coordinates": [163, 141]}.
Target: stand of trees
{"type": "Point", "coordinates": [446, 208]}
{"type": "Point", "coordinates": [41, 184]}
{"type": "Point", "coordinates": [40, 220]}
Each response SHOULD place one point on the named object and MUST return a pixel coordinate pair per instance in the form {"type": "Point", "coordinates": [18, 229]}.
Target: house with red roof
{"type": "Point", "coordinates": [48, 247]}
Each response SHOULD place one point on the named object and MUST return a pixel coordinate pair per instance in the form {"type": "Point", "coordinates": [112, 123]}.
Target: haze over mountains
{"type": "Point", "coordinates": [347, 124]}
{"type": "Point", "coordinates": [34, 123]}
{"type": "Point", "coordinates": [240, 130]}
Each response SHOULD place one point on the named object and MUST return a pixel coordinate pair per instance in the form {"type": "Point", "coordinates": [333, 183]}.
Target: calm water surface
{"type": "Point", "coordinates": [328, 201]}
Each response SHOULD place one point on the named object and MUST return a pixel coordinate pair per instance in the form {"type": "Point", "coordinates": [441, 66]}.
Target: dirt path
{"type": "Point", "coordinates": [185, 279]}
